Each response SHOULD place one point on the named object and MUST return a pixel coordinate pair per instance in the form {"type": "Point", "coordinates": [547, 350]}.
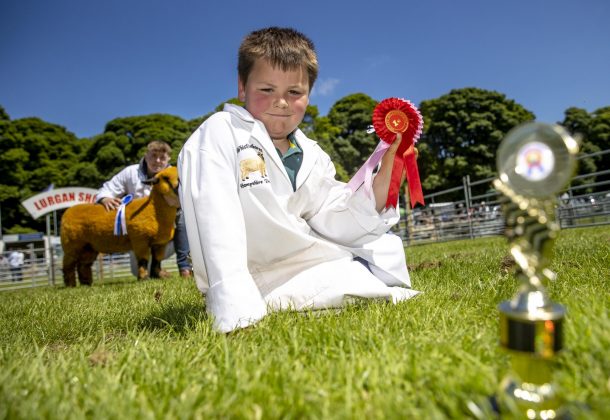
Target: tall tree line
{"type": "Point", "coordinates": [462, 130]}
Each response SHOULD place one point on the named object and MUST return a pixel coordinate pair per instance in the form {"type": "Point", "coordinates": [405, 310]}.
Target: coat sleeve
{"type": "Point", "coordinates": [215, 226]}
{"type": "Point", "coordinates": [345, 217]}
{"type": "Point", "coordinates": [115, 187]}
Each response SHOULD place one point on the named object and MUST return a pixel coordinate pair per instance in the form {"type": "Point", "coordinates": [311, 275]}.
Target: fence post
{"type": "Point", "coordinates": [49, 252]}
{"type": "Point", "coordinates": [52, 265]}
{"type": "Point", "coordinates": [100, 268]}
{"type": "Point", "coordinates": [467, 195]}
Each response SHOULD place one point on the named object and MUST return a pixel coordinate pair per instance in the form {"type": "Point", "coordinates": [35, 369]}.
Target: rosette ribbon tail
{"type": "Point", "coordinates": [415, 192]}
{"type": "Point", "coordinates": [365, 173]}
{"type": "Point", "coordinates": [120, 223]}
{"type": "Point", "coordinates": [405, 161]}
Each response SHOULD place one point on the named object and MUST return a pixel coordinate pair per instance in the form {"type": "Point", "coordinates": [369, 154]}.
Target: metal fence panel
{"type": "Point", "coordinates": [40, 271]}
{"type": "Point", "coordinates": [472, 210]}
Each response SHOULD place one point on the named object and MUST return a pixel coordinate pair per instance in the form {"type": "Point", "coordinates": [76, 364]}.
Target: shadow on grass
{"type": "Point", "coordinates": [178, 319]}
{"type": "Point", "coordinates": [59, 285]}
{"type": "Point", "coordinates": [119, 281]}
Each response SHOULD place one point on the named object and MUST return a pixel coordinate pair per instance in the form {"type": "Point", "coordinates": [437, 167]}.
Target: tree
{"type": "Point", "coordinates": [107, 154]}
{"type": "Point", "coordinates": [33, 154]}
{"type": "Point", "coordinates": [321, 130]}
{"type": "Point", "coordinates": [593, 130]}
{"type": "Point", "coordinates": [577, 121]}
{"type": "Point", "coordinates": [196, 122]}
{"type": "Point", "coordinates": [135, 133]}
{"type": "Point", "coordinates": [3, 115]}
{"type": "Point", "coordinates": [462, 131]}
{"type": "Point", "coordinates": [85, 174]}
{"type": "Point", "coordinates": [352, 115]}
{"type": "Point", "coordinates": [599, 134]}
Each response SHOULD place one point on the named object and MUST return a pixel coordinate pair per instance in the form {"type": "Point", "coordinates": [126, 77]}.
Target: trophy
{"type": "Point", "coordinates": [535, 161]}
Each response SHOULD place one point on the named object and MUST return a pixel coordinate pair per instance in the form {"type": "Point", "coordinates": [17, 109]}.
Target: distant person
{"type": "Point", "coordinates": [269, 225]}
{"type": "Point", "coordinates": [130, 181]}
{"type": "Point", "coordinates": [16, 261]}
{"type": "Point", "coordinates": [4, 266]}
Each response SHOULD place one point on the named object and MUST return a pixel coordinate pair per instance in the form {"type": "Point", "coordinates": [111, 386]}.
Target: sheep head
{"type": "Point", "coordinates": [166, 182]}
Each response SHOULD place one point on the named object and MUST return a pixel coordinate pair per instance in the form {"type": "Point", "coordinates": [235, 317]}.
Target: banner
{"type": "Point", "coordinates": [61, 198]}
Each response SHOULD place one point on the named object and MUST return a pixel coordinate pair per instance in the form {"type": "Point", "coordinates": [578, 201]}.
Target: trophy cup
{"type": "Point", "coordinates": [535, 161]}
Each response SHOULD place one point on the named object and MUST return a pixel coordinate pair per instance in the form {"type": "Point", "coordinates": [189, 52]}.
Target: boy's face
{"type": "Point", "coordinates": [275, 97]}
{"type": "Point", "coordinates": [156, 161]}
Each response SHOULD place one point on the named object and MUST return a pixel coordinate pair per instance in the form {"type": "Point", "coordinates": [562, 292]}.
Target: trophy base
{"type": "Point", "coordinates": [492, 408]}
{"type": "Point", "coordinates": [531, 329]}
{"type": "Point", "coordinates": [528, 400]}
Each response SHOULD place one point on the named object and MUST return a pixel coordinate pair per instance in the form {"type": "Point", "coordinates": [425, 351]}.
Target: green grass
{"type": "Point", "coordinates": [146, 349]}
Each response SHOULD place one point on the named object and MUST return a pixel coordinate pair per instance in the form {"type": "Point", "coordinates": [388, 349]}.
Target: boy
{"type": "Point", "coordinates": [130, 181]}
{"type": "Point", "coordinates": [271, 227]}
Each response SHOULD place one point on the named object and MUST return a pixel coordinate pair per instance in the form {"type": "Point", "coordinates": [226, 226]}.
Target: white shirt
{"type": "Point", "coordinates": [15, 259]}
{"type": "Point", "coordinates": [128, 181]}
{"type": "Point", "coordinates": [257, 245]}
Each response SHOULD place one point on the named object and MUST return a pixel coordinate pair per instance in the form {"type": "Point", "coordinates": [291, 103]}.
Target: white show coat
{"type": "Point", "coordinates": [257, 245]}
{"type": "Point", "coordinates": [128, 181]}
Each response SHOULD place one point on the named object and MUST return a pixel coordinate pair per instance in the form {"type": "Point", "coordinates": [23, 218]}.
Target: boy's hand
{"type": "Point", "coordinates": [393, 147]}
{"type": "Point", "coordinates": [110, 203]}
{"type": "Point", "coordinates": [381, 183]}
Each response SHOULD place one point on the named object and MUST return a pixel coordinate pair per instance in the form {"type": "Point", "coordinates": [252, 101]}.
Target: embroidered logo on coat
{"type": "Point", "coordinates": [249, 165]}
{"type": "Point", "coordinates": [253, 162]}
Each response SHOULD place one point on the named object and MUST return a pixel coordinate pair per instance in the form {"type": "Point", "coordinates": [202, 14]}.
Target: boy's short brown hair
{"type": "Point", "coordinates": [285, 48]}
{"type": "Point", "coordinates": [158, 146]}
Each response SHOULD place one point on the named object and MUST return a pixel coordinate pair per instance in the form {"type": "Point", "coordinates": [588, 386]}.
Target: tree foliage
{"type": "Point", "coordinates": [599, 134]}
{"type": "Point", "coordinates": [3, 115]}
{"type": "Point", "coordinates": [351, 116]}
{"type": "Point", "coordinates": [33, 154]}
{"type": "Point", "coordinates": [134, 133]}
{"type": "Point", "coordinates": [462, 131]}
{"type": "Point", "coordinates": [593, 131]}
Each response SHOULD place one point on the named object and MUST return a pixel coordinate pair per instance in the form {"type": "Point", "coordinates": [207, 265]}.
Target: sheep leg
{"type": "Point", "coordinates": [142, 268]}
{"type": "Point", "coordinates": [141, 252]}
{"type": "Point", "coordinates": [158, 252]}
{"type": "Point", "coordinates": [69, 270]}
{"type": "Point", "coordinates": [85, 274]}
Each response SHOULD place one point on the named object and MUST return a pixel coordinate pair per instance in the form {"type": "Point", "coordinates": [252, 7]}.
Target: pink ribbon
{"type": "Point", "coordinates": [365, 173]}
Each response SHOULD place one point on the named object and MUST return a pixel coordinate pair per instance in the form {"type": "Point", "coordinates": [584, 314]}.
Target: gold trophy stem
{"type": "Point", "coordinates": [535, 162]}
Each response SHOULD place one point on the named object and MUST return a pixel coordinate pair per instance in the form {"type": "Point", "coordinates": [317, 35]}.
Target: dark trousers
{"type": "Point", "coordinates": [16, 274]}
{"type": "Point", "coordinates": [181, 243]}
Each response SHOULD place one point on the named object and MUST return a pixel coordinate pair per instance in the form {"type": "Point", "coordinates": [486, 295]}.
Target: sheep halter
{"type": "Point", "coordinates": [120, 224]}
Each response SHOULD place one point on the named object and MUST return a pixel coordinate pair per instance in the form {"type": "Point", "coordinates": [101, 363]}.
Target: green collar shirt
{"type": "Point", "coordinates": [292, 159]}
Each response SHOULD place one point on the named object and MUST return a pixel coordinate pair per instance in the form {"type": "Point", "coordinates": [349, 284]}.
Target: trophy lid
{"type": "Point", "coordinates": [537, 159]}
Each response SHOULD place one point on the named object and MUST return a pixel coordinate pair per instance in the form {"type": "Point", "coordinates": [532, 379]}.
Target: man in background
{"type": "Point", "coordinates": [15, 261]}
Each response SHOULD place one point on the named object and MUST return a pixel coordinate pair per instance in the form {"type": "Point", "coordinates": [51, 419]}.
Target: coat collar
{"type": "Point", "coordinates": [259, 132]}
{"type": "Point", "coordinates": [309, 157]}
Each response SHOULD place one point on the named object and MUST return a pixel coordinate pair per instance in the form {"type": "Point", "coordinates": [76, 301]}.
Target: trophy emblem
{"type": "Point", "coordinates": [535, 162]}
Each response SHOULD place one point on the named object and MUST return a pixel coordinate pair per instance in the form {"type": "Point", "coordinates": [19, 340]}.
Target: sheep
{"type": "Point", "coordinates": [88, 229]}
{"type": "Point", "coordinates": [247, 166]}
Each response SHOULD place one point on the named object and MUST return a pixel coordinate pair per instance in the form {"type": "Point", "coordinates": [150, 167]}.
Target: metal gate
{"type": "Point", "coordinates": [472, 209]}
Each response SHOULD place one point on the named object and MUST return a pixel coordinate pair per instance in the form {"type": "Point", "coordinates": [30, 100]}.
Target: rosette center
{"type": "Point", "coordinates": [396, 121]}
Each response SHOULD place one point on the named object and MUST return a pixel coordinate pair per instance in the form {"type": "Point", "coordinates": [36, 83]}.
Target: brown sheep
{"type": "Point", "coordinates": [88, 229]}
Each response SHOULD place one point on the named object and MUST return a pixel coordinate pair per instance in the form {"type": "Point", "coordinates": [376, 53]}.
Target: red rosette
{"type": "Point", "coordinates": [390, 117]}
{"type": "Point", "coordinates": [395, 115]}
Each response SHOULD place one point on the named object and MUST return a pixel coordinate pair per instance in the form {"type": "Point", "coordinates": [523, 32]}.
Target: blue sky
{"type": "Point", "coordinates": [81, 63]}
